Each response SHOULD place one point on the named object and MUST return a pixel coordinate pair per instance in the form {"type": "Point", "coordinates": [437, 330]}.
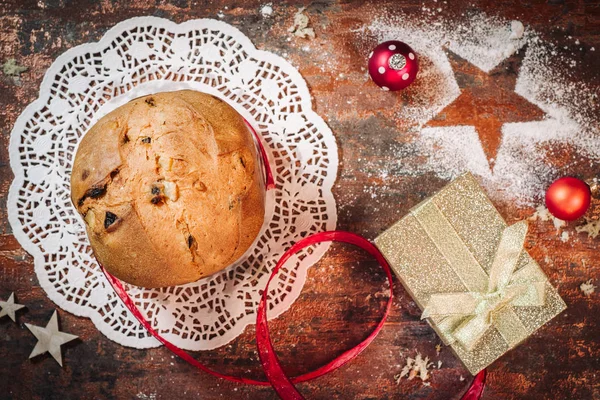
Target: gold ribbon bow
{"type": "Point", "coordinates": [465, 317]}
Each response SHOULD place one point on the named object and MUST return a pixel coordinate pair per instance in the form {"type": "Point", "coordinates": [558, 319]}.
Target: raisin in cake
{"type": "Point", "coordinates": [170, 188]}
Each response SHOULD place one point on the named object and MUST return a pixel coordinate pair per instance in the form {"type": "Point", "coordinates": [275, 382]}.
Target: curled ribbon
{"type": "Point", "coordinates": [269, 181]}
{"type": "Point", "coordinates": [464, 317]}
{"type": "Point", "coordinates": [276, 377]}
{"type": "Point", "coordinates": [283, 385]}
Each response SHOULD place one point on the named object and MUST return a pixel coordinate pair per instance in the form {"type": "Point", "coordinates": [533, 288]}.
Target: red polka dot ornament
{"type": "Point", "coordinates": [393, 65]}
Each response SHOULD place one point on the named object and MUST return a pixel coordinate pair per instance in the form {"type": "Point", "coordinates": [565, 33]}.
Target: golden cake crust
{"type": "Point", "coordinates": [169, 188]}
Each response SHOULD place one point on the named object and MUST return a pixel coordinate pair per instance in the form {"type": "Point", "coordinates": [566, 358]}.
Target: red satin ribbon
{"type": "Point", "coordinates": [275, 375]}
{"type": "Point", "coordinates": [283, 385]}
{"type": "Point", "coordinates": [270, 363]}
{"type": "Point", "coordinates": [476, 389]}
{"type": "Point", "coordinates": [270, 182]}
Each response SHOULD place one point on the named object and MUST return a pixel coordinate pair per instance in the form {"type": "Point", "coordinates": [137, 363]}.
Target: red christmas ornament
{"type": "Point", "coordinates": [393, 65]}
{"type": "Point", "coordinates": [568, 198]}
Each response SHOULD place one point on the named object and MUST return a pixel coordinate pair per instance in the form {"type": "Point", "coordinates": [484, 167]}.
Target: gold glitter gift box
{"type": "Point", "coordinates": [467, 270]}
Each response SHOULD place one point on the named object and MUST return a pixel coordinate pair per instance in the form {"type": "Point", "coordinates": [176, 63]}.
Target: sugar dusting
{"type": "Point", "coordinates": [523, 168]}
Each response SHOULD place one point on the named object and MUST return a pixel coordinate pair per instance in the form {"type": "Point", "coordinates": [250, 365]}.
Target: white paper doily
{"type": "Point", "coordinates": [147, 55]}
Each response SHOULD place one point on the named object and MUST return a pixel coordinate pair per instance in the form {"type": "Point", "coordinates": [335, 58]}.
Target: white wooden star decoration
{"type": "Point", "coordinates": [49, 339]}
{"type": "Point", "coordinates": [9, 307]}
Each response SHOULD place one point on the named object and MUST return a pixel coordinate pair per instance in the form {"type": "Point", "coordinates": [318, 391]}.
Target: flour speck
{"type": "Point", "coordinates": [266, 10]}
{"type": "Point", "coordinates": [300, 27]}
{"type": "Point", "coordinates": [591, 227]}
{"type": "Point", "coordinates": [415, 368]}
{"type": "Point", "coordinates": [542, 214]}
{"type": "Point", "coordinates": [516, 30]}
{"type": "Point", "coordinates": [587, 287]}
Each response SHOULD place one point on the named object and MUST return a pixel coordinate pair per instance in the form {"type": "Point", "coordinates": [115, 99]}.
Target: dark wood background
{"type": "Point", "coordinates": [340, 303]}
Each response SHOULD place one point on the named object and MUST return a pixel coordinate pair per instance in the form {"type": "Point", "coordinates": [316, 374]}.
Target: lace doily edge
{"type": "Point", "coordinates": [43, 96]}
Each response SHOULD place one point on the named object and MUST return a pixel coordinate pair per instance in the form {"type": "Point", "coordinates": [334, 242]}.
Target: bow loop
{"type": "Point", "coordinates": [506, 288]}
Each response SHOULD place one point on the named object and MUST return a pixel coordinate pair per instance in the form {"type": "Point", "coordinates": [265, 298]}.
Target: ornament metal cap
{"type": "Point", "coordinates": [397, 62]}
{"type": "Point", "coordinates": [594, 185]}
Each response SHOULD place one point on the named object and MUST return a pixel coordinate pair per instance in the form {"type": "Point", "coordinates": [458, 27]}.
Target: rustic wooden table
{"type": "Point", "coordinates": [342, 299]}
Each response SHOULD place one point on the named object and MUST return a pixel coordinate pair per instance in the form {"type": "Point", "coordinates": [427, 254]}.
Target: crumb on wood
{"type": "Point", "coordinates": [266, 10]}
{"type": "Point", "coordinates": [438, 349]}
{"type": "Point", "coordinates": [12, 69]}
{"type": "Point", "coordinates": [543, 214]}
{"type": "Point", "coordinates": [415, 368]}
{"type": "Point", "coordinates": [587, 287]}
{"type": "Point", "coordinates": [591, 227]}
{"type": "Point", "coordinates": [300, 27]}
{"type": "Point", "coordinates": [516, 30]}
{"type": "Point", "coordinates": [143, 396]}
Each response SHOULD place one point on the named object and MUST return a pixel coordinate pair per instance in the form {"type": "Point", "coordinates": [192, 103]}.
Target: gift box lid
{"type": "Point", "coordinates": [460, 262]}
